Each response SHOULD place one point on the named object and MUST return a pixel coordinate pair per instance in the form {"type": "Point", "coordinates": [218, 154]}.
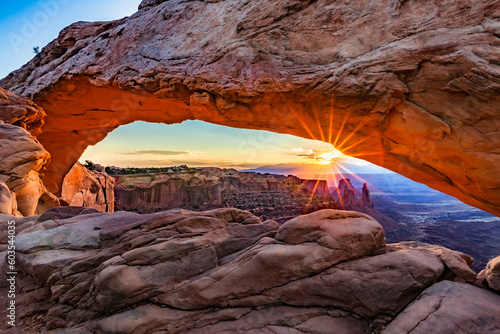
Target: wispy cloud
{"type": "Point", "coordinates": [323, 156]}
{"type": "Point", "coordinates": [155, 152]}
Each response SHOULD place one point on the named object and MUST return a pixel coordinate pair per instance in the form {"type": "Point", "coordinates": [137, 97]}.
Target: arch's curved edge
{"type": "Point", "coordinates": [413, 88]}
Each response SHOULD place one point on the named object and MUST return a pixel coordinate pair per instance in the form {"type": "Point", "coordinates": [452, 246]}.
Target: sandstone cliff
{"type": "Point", "coordinates": [88, 188]}
{"type": "Point", "coordinates": [409, 85]}
{"type": "Point", "coordinates": [275, 196]}
{"type": "Point", "coordinates": [22, 158]}
{"type": "Point", "coordinates": [21, 112]}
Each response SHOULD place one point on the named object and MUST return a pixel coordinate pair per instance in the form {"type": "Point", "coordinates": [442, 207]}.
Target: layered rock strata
{"type": "Point", "coordinates": [89, 188]}
{"type": "Point", "coordinates": [225, 271]}
{"type": "Point", "coordinates": [22, 158]}
{"type": "Point", "coordinates": [271, 195]}
{"type": "Point", "coordinates": [21, 112]}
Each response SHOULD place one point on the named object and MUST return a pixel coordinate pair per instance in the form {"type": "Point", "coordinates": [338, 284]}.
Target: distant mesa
{"type": "Point", "coordinates": [270, 195]}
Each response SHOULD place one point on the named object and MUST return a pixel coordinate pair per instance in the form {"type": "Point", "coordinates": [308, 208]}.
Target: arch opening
{"type": "Point", "coordinates": [201, 166]}
{"type": "Point", "coordinates": [406, 139]}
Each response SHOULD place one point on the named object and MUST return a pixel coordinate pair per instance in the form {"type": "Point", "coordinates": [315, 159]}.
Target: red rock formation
{"type": "Point", "coordinates": [348, 200]}
{"type": "Point", "coordinates": [346, 194]}
{"type": "Point", "coordinates": [89, 188]}
{"type": "Point", "coordinates": [204, 188]}
{"type": "Point", "coordinates": [226, 271]}
{"type": "Point", "coordinates": [412, 86]}
{"type": "Point", "coordinates": [22, 158]}
{"type": "Point", "coordinates": [366, 201]}
{"type": "Point", "coordinates": [21, 112]}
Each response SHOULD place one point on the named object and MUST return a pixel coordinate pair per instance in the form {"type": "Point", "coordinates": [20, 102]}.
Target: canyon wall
{"type": "Point", "coordinates": [412, 86]}
{"type": "Point", "coordinates": [204, 188]}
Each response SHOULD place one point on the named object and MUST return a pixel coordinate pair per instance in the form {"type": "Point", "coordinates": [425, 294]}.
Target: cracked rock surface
{"type": "Point", "coordinates": [219, 271]}
{"type": "Point", "coordinates": [449, 307]}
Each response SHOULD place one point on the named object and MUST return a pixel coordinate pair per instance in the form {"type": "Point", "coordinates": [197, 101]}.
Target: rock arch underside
{"type": "Point", "coordinates": [408, 85]}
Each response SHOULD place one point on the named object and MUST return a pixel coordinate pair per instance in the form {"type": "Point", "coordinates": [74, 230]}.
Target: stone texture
{"type": "Point", "coordinates": [458, 265]}
{"type": "Point", "coordinates": [492, 273]}
{"type": "Point", "coordinates": [411, 86]}
{"type": "Point", "coordinates": [21, 159]}
{"type": "Point", "coordinates": [366, 286]}
{"type": "Point", "coordinates": [449, 307]}
{"type": "Point", "coordinates": [205, 188]}
{"type": "Point", "coordinates": [89, 188]}
{"type": "Point", "coordinates": [21, 112]}
{"type": "Point", "coordinates": [269, 320]}
{"type": "Point", "coordinates": [219, 271]}
{"type": "Point", "coordinates": [64, 212]}
{"type": "Point", "coordinates": [8, 203]}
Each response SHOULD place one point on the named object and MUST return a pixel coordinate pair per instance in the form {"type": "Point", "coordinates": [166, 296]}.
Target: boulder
{"type": "Point", "coordinates": [450, 307]}
{"type": "Point", "coordinates": [22, 157]}
{"type": "Point", "coordinates": [458, 265]}
{"type": "Point", "coordinates": [8, 203]}
{"type": "Point", "coordinates": [219, 271]}
{"type": "Point", "coordinates": [492, 273]}
{"type": "Point", "coordinates": [89, 188]}
{"type": "Point", "coordinates": [372, 286]}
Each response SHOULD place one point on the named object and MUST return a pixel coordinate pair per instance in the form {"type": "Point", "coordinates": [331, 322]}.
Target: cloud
{"type": "Point", "coordinates": [155, 152]}
{"type": "Point", "coordinates": [323, 155]}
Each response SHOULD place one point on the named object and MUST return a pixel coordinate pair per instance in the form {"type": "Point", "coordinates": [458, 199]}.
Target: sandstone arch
{"type": "Point", "coordinates": [409, 85]}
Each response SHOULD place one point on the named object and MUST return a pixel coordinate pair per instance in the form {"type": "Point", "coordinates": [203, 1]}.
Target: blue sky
{"type": "Point", "coordinates": [28, 23]}
{"type": "Point", "coordinates": [25, 24]}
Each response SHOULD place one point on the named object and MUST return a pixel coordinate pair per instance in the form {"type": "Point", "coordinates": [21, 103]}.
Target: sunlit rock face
{"type": "Point", "coordinates": [88, 188]}
{"type": "Point", "coordinates": [408, 85]}
{"type": "Point", "coordinates": [22, 158]}
{"type": "Point", "coordinates": [208, 188]}
{"type": "Point", "coordinates": [21, 112]}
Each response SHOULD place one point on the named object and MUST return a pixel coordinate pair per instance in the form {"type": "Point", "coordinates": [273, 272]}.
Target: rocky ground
{"type": "Point", "coordinates": [226, 271]}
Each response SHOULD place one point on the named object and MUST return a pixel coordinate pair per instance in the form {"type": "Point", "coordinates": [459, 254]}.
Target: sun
{"type": "Point", "coordinates": [328, 158]}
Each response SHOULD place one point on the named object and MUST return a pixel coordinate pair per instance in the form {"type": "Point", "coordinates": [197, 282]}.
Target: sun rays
{"type": "Point", "coordinates": [344, 138]}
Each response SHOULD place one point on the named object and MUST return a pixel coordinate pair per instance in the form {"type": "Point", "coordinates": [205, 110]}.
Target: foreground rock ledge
{"type": "Point", "coordinates": [413, 86]}
{"type": "Point", "coordinates": [221, 271]}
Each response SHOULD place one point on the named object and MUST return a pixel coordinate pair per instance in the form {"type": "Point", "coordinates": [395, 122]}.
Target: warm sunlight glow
{"type": "Point", "coordinates": [326, 157]}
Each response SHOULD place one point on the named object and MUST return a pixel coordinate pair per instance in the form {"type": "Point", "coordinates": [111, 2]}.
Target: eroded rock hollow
{"type": "Point", "coordinates": [408, 85]}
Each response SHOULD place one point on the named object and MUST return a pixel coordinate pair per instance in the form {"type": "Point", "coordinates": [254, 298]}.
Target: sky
{"type": "Point", "coordinates": [27, 23]}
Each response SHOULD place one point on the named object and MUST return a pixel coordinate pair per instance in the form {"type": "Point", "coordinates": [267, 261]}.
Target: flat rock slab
{"type": "Point", "coordinates": [449, 307]}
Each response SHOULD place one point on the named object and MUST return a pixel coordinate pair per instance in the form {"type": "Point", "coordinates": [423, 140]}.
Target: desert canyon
{"type": "Point", "coordinates": [408, 85]}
